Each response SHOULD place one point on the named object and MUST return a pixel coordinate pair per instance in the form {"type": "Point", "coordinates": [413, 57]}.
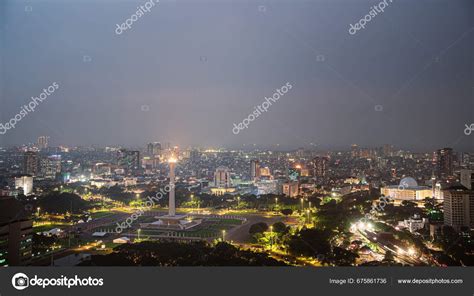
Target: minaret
{"type": "Point", "coordinates": [172, 206]}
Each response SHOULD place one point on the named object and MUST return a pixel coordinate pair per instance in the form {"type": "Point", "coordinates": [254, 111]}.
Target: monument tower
{"type": "Point", "coordinates": [172, 204]}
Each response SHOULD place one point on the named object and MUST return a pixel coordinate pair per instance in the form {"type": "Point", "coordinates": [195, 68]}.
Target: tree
{"type": "Point", "coordinates": [260, 227]}
{"type": "Point", "coordinates": [389, 256]}
{"type": "Point", "coordinates": [310, 242]}
{"type": "Point", "coordinates": [287, 212]}
{"type": "Point", "coordinates": [341, 257]}
{"type": "Point", "coordinates": [280, 227]}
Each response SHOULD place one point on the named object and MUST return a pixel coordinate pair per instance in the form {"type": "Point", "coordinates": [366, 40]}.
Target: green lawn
{"type": "Point", "coordinates": [97, 215]}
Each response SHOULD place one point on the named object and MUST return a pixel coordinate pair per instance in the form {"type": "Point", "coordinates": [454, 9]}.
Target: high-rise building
{"type": "Point", "coordinates": [15, 233]}
{"type": "Point", "coordinates": [154, 149]}
{"type": "Point", "coordinates": [320, 166]}
{"type": "Point", "coordinates": [50, 167]}
{"type": "Point", "coordinates": [255, 170]}
{"type": "Point", "coordinates": [458, 207]}
{"type": "Point", "coordinates": [30, 163]}
{"type": "Point", "coordinates": [444, 162]}
{"type": "Point", "coordinates": [129, 161]}
{"type": "Point", "coordinates": [222, 177]}
{"type": "Point", "coordinates": [25, 183]}
{"type": "Point", "coordinates": [290, 189]}
{"type": "Point", "coordinates": [42, 142]}
{"type": "Point", "coordinates": [467, 179]}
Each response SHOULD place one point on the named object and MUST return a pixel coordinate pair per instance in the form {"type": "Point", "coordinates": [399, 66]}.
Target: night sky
{"type": "Point", "coordinates": [187, 70]}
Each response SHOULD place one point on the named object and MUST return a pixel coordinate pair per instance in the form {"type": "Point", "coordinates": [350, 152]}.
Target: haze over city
{"type": "Point", "coordinates": [177, 76]}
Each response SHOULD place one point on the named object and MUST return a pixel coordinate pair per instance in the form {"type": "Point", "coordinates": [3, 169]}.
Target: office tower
{"type": "Point", "coordinates": [129, 161]}
{"type": "Point", "coordinates": [42, 142]}
{"type": "Point", "coordinates": [320, 166]}
{"type": "Point", "coordinates": [255, 170]}
{"type": "Point", "coordinates": [458, 207]}
{"type": "Point", "coordinates": [444, 162]}
{"type": "Point", "coordinates": [15, 233]}
{"type": "Point", "coordinates": [50, 167]}
{"type": "Point", "coordinates": [467, 179]}
{"type": "Point", "coordinates": [222, 177]}
{"type": "Point", "coordinates": [25, 183]}
{"type": "Point", "coordinates": [30, 163]}
{"type": "Point", "coordinates": [154, 149]}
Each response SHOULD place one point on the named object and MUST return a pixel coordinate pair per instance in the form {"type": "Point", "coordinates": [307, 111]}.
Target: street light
{"type": "Point", "coordinates": [276, 202]}
{"type": "Point", "coordinates": [139, 230]}
{"type": "Point", "coordinates": [38, 209]}
{"type": "Point", "coordinates": [307, 213]}
{"type": "Point", "coordinates": [302, 204]}
{"type": "Point", "coordinates": [223, 235]}
{"type": "Point", "coordinates": [238, 201]}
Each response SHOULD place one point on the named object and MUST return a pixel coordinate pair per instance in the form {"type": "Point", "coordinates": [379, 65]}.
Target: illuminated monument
{"type": "Point", "coordinates": [172, 204]}
{"type": "Point", "coordinates": [172, 221]}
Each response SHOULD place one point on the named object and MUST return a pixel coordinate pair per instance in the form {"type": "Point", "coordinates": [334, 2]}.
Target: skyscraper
{"type": "Point", "coordinates": [458, 207]}
{"type": "Point", "coordinates": [50, 167]}
{"type": "Point", "coordinates": [15, 233]}
{"type": "Point", "coordinates": [222, 177]}
{"type": "Point", "coordinates": [42, 142]}
{"type": "Point", "coordinates": [467, 179]}
{"type": "Point", "coordinates": [30, 163]}
{"type": "Point", "coordinates": [254, 170]}
{"type": "Point", "coordinates": [444, 162]}
{"type": "Point", "coordinates": [154, 149]}
{"type": "Point", "coordinates": [320, 164]}
{"type": "Point", "coordinates": [129, 160]}
{"type": "Point", "coordinates": [25, 183]}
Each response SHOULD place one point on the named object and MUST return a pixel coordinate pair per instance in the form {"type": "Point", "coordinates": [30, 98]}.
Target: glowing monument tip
{"type": "Point", "coordinates": [172, 159]}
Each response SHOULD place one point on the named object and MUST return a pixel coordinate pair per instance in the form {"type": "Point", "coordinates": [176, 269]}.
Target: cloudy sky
{"type": "Point", "coordinates": [187, 70]}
